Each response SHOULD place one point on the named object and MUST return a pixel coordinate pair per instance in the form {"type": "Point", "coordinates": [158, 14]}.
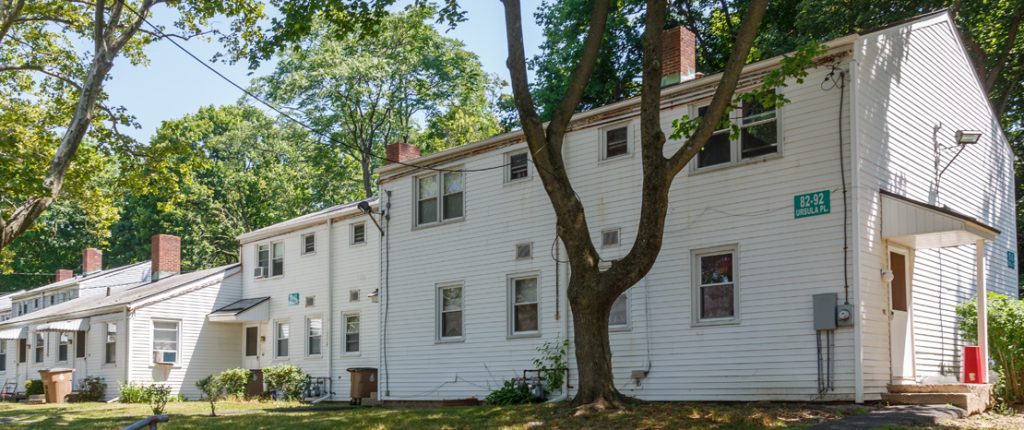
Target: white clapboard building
{"type": "Point", "coordinates": [888, 150]}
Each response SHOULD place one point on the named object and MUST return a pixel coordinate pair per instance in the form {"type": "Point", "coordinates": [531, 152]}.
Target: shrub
{"type": "Point", "coordinates": [212, 389]}
{"type": "Point", "coordinates": [552, 362]}
{"type": "Point", "coordinates": [286, 379]}
{"type": "Point", "coordinates": [158, 397]}
{"type": "Point", "coordinates": [33, 387]}
{"type": "Point", "coordinates": [92, 389]}
{"type": "Point", "coordinates": [1005, 337]}
{"type": "Point", "coordinates": [512, 392]}
{"type": "Point", "coordinates": [234, 381]}
{"type": "Point", "coordinates": [133, 393]}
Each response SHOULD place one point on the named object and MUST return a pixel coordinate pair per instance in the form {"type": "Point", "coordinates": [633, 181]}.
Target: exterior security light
{"type": "Point", "coordinates": [967, 137]}
{"type": "Point", "coordinates": [887, 276]}
{"type": "Point", "coordinates": [365, 206]}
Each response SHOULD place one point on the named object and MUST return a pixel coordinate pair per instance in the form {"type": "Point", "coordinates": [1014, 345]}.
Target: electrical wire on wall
{"type": "Point", "coordinates": [829, 83]}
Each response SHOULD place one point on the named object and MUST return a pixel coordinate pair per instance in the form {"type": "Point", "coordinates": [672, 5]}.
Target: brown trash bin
{"type": "Point", "coordinates": [56, 383]}
{"type": "Point", "coordinates": [364, 383]}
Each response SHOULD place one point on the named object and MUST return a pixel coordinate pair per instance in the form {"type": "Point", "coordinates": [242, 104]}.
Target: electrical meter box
{"type": "Point", "coordinates": [825, 311]}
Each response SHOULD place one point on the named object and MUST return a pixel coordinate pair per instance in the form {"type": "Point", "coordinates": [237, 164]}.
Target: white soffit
{"type": "Point", "coordinates": [919, 225]}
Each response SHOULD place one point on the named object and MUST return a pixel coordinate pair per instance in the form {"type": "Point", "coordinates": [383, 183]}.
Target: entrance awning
{"type": "Point", "coordinates": [256, 309]}
{"type": "Point", "coordinates": [14, 333]}
{"type": "Point", "coordinates": [920, 225]}
{"type": "Point", "coordinates": [64, 326]}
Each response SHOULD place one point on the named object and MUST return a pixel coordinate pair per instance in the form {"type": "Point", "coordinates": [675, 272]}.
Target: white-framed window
{"type": "Point", "coordinates": [449, 307]}
{"type": "Point", "coordinates": [524, 312]}
{"type": "Point", "coordinates": [40, 347]}
{"type": "Point", "coordinates": [524, 251]}
{"type": "Point", "coordinates": [358, 233]}
{"type": "Point", "coordinates": [614, 141]}
{"type": "Point", "coordinates": [314, 335]}
{"type": "Point", "coordinates": [263, 260]}
{"type": "Point", "coordinates": [618, 317]}
{"type": "Point", "coordinates": [166, 341]}
{"type": "Point", "coordinates": [440, 197]}
{"type": "Point", "coordinates": [351, 334]}
{"type": "Point", "coordinates": [518, 166]}
{"type": "Point", "coordinates": [62, 346]}
{"type": "Point", "coordinates": [610, 237]}
{"type": "Point", "coordinates": [110, 351]}
{"type": "Point", "coordinates": [3, 355]}
{"type": "Point", "coordinates": [281, 333]}
{"type": "Point", "coordinates": [309, 243]}
{"type": "Point", "coordinates": [759, 136]}
{"type": "Point", "coordinates": [715, 294]}
{"type": "Point", "coordinates": [277, 259]}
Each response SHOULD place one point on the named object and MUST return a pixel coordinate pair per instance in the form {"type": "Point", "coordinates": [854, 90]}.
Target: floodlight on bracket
{"type": "Point", "coordinates": [963, 138]}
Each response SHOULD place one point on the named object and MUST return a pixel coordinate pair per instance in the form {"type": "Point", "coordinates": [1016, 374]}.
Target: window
{"type": "Point", "coordinates": [518, 166]}
{"type": "Point", "coordinates": [524, 251]}
{"type": "Point", "coordinates": [524, 305]}
{"type": "Point", "coordinates": [358, 233]}
{"type": "Point", "coordinates": [353, 295]}
{"type": "Point", "coordinates": [252, 341]}
{"type": "Point", "coordinates": [351, 332]}
{"type": "Point", "coordinates": [314, 334]}
{"type": "Point", "coordinates": [716, 285]}
{"type": "Point", "coordinates": [62, 347]}
{"type": "Point", "coordinates": [40, 346]}
{"type": "Point", "coordinates": [281, 331]}
{"type": "Point", "coordinates": [165, 341]}
{"type": "Point", "coordinates": [263, 260]}
{"type": "Point", "coordinates": [22, 350]}
{"type": "Point", "coordinates": [308, 243]}
{"type": "Point", "coordinates": [446, 186]}
{"type": "Point", "coordinates": [619, 315]}
{"type": "Point", "coordinates": [610, 237]}
{"type": "Point", "coordinates": [450, 309]}
{"type": "Point", "coordinates": [3, 355]}
{"type": "Point", "coordinates": [616, 141]}
{"type": "Point", "coordinates": [79, 344]}
{"type": "Point", "coordinates": [111, 345]}
{"type": "Point", "coordinates": [277, 263]}
{"type": "Point", "coordinates": [759, 135]}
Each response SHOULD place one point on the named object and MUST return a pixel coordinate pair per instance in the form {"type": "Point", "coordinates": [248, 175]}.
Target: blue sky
{"type": "Point", "coordinates": [173, 85]}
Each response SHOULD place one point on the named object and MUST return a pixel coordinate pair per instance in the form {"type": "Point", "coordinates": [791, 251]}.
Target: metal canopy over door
{"type": "Point", "coordinates": [901, 337]}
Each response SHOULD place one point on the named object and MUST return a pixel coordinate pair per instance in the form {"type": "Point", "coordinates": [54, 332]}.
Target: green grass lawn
{"type": "Point", "coordinates": [254, 415]}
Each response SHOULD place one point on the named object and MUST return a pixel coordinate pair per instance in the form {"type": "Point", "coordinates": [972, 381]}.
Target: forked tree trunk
{"type": "Point", "coordinates": [593, 351]}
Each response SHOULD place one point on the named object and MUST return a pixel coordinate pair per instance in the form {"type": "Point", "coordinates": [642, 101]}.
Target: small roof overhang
{"type": "Point", "coordinates": [255, 309]}
{"type": "Point", "coordinates": [81, 324]}
{"type": "Point", "coordinates": [14, 333]}
{"type": "Point", "coordinates": [920, 225]}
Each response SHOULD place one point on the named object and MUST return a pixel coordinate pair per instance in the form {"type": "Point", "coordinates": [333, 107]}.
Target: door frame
{"type": "Point", "coordinates": [911, 352]}
{"type": "Point", "coordinates": [260, 333]}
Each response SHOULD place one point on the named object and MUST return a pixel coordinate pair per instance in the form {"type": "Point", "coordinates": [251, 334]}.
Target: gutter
{"type": "Point", "coordinates": [855, 226]}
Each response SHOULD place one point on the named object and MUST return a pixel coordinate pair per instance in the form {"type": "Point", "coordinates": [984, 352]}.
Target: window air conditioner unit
{"type": "Point", "coordinates": [260, 272]}
{"type": "Point", "coordinates": [165, 357]}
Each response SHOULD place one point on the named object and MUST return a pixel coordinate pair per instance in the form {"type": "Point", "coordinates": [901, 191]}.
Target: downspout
{"type": "Point", "coordinates": [563, 313]}
{"type": "Point", "coordinates": [855, 226]}
{"type": "Point", "coordinates": [127, 347]}
{"type": "Point", "coordinates": [330, 309]}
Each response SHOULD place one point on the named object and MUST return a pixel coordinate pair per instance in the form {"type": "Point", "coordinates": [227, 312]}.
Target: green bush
{"type": "Point", "coordinates": [33, 387]}
{"type": "Point", "coordinates": [287, 379]}
{"type": "Point", "coordinates": [212, 389]}
{"type": "Point", "coordinates": [512, 392]}
{"type": "Point", "coordinates": [1005, 340]}
{"type": "Point", "coordinates": [234, 381]}
{"type": "Point", "coordinates": [553, 361]}
{"type": "Point", "coordinates": [92, 389]}
{"type": "Point", "coordinates": [133, 393]}
{"type": "Point", "coordinates": [158, 397]}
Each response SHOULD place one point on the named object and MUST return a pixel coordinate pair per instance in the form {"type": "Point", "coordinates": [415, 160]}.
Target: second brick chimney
{"type": "Point", "coordinates": [400, 152]}
{"type": "Point", "coordinates": [166, 259]}
{"type": "Point", "coordinates": [679, 56]}
{"type": "Point", "coordinates": [64, 274]}
{"type": "Point", "coordinates": [92, 260]}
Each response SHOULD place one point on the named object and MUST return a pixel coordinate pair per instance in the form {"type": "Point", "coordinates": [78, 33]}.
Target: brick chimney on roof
{"type": "Point", "coordinates": [64, 274]}
{"type": "Point", "coordinates": [92, 260]}
{"type": "Point", "coordinates": [401, 152]}
{"type": "Point", "coordinates": [166, 259]}
{"type": "Point", "coordinates": [679, 56]}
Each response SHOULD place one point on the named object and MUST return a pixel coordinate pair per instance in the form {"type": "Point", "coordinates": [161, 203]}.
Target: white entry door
{"type": "Point", "coordinates": [901, 338]}
{"type": "Point", "coordinates": [252, 348]}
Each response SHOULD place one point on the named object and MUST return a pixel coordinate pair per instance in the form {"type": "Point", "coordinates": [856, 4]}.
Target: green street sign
{"type": "Point", "coordinates": [811, 204]}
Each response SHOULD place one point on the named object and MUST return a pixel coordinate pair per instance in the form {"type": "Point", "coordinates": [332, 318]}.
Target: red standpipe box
{"type": "Point", "coordinates": [972, 365]}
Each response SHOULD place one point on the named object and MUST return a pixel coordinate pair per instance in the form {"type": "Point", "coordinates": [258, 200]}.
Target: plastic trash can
{"type": "Point", "coordinates": [363, 383]}
{"type": "Point", "coordinates": [56, 383]}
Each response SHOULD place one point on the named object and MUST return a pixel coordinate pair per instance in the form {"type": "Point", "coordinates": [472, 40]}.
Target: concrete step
{"type": "Point", "coordinates": [979, 389]}
{"type": "Point", "coordinates": [970, 402]}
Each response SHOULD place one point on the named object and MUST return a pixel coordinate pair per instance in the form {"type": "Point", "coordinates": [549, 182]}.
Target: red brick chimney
{"type": "Point", "coordinates": [92, 260]}
{"type": "Point", "coordinates": [166, 258]}
{"type": "Point", "coordinates": [679, 56]}
{"type": "Point", "coordinates": [63, 274]}
{"type": "Point", "coordinates": [400, 152]}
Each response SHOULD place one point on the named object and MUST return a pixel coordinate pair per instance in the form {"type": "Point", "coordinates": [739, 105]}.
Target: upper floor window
{"type": "Point", "coordinates": [715, 293]}
{"type": "Point", "coordinates": [518, 166]}
{"type": "Point", "coordinates": [616, 141]}
{"type": "Point", "coordinates": [439, 197]}
{"type": "Point", "coordinates": [270, 259]}
{"type": "Point", "coordinates": [309, 243]}
{"type": "Point", "coordinates": [758, 137]}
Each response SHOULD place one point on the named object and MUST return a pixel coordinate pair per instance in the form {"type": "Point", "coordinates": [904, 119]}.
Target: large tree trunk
{"type": "Point", "coordinates": [593, 351]}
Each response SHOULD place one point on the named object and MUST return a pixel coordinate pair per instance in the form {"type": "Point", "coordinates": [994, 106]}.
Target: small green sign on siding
{"type": "Point", "coordinates": [293, 299]}
{"type": "Point", "coordinates": [1011, 259]}
{"type": "Point", "coordinates": [811, 204]}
